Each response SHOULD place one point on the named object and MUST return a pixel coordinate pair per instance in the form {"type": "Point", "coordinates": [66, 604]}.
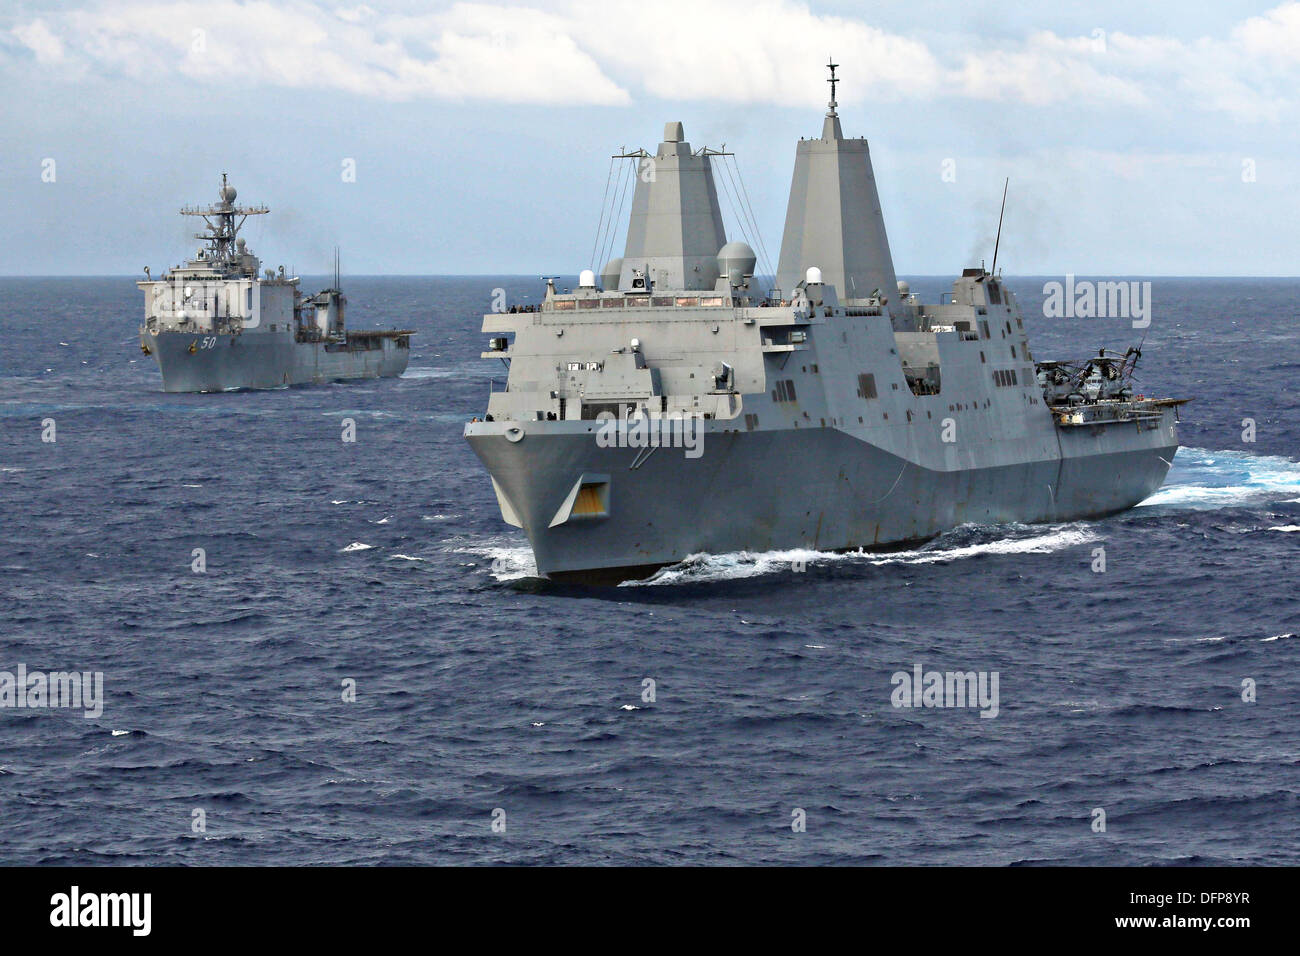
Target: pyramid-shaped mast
{"type": "Point", "coordinates": [675, 230]}
{"type": "Point", "coordinates": [833, 220]}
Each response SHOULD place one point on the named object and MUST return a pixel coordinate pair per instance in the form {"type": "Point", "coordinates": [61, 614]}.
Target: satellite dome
{"type": "Point", "coordinates": [586, 279]}
{"type": "Point", "coordinates": [814, 275]}
{"type": "Point", "coordinates": [903, 288]}
{"type": "Point", "coordinates": [228, 193]}
{"type": "Point", "coordinates": [736, 260]}
{"type": "Point", "coordinates": [609, 275]}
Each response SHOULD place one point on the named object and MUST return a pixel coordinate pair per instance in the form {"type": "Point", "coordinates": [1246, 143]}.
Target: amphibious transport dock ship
{"type": "Point", "coordinates": [214, 324]}
{"type": "Point", "coordinates": [675, 408]}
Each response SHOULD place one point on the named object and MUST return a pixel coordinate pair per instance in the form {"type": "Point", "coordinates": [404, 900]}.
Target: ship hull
{"type": "Point", "coordinates": [193, 362]}
{"type": "Point", "coordinates": [819, 489]}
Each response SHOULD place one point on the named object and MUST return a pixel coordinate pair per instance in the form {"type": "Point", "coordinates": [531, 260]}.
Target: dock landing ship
{"type": "Point", "coordinates": [835, 412]}
{"type": "Point", "coordinates": [214, 325]}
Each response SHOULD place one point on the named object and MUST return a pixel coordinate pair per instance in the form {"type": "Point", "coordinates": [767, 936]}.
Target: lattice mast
{"type": "Point", "coordinates": [220, 219]}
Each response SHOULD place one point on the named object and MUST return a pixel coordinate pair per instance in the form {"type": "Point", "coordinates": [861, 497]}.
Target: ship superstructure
{"type": "Point", "coordinates": [217, 322]}
{"type": "Point", "coordinates": [673, 407]}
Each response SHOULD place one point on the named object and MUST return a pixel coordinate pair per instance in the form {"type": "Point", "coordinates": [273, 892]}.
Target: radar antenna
{"type": "Point", "coordinates": [832, 81]}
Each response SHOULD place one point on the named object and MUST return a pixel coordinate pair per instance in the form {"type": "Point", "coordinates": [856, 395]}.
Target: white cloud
{"type": "Point", "coordinates": [354, 14]}
{"type": "Point", "coordinates": [37, 37]}
{"type": "Point", "coordinates": [1275, 36]}
{"type": "Point", "coordinates": [752, 51]}
{"type": "Point", "coordinates": [1047, 69]}
{"type": "Point", "coordinates": [511, 54]}
{"type": "Point", "coordinates": [612, 51]}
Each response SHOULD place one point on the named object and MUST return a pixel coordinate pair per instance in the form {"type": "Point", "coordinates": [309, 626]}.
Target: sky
{"type": "Point", "coordinates": [463, 138]}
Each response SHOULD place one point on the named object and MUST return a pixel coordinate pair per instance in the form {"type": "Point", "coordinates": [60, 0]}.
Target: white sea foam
{"type": "Point", "coordinates": [1059, 538]}
{"type": "Point", "coordinates": [504, 562]}
{"type": "Point", "coordinates": [475, 369]}
{"type": "Point", "coordinates": [698, 568]}
{"type": "Point", "coordinates": [1204, 479]}
{"type": "Point", "coordinates": [356, 546]}
{"type": "Point", "coordinates": [1285, 527]}
{"type": "Point", "coordinates": [702, 568]}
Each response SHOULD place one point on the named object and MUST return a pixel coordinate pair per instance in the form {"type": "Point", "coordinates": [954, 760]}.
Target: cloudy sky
{"type": "Point", "coordinates": [1140, 139]}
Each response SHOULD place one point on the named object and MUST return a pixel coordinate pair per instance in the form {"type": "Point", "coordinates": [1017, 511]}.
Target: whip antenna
{"type": "Point", "coordinates": [997, 242]}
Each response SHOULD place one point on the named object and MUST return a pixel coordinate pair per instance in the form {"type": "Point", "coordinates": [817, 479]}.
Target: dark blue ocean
{"type": "Point", "coordinates": [479, 688]}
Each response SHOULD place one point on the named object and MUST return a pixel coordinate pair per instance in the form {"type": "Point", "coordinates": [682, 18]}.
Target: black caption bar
{"type": "Point", "coordinates": [333, 905]}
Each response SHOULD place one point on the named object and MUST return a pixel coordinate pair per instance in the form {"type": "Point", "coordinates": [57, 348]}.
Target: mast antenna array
{"type": "Point", "coordinates": [220, 219]}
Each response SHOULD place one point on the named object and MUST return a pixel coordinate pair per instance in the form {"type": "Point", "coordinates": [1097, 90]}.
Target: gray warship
{"type": "Point", "coordinates": [214, 324]}
{"type": "Point", "coordinates": [674, 408]}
